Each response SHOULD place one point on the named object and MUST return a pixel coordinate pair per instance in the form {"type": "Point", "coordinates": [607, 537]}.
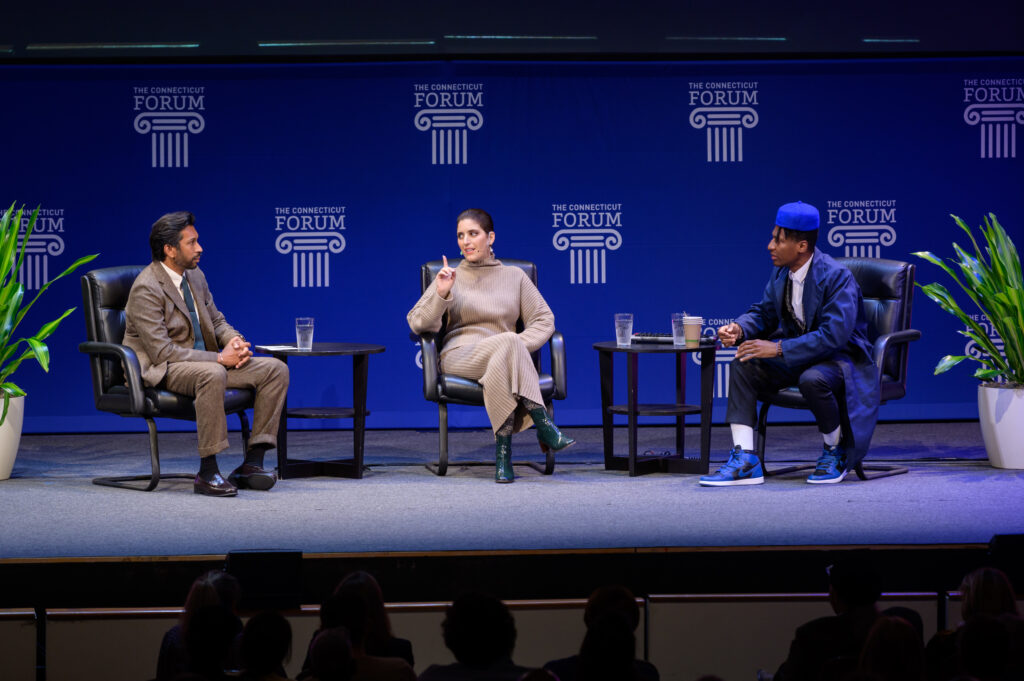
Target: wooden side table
{"type": "Point", "coordinates": [346, 468]}
{"type": "Point", "coordinates": [633, 409]}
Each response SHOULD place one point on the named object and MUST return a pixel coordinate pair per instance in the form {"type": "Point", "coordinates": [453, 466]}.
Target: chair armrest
{"type": "Point", "coordinates": [130, 364]}
{"type": "Point", "coordinates": [887, 341]}
{"type": "Point", "coordinates": [429, 359]}
{"type": "Point", "coordinates": [556, 345]}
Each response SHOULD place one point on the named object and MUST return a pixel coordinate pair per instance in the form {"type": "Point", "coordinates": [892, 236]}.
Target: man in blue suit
{"type": "Point", "coordinates": [809, 330]}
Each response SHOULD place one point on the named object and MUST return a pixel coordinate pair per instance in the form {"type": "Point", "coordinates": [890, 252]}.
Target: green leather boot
{"type": "Point", "coordinates": [503, 459]}
{"type": "Point", "coordinates": [548, 434]}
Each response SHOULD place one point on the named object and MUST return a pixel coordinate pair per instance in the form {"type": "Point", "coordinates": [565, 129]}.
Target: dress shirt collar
{"type": "Point", "coordinates": [801, 274]}
{"type": "Point", "coordinates": [175, 278]}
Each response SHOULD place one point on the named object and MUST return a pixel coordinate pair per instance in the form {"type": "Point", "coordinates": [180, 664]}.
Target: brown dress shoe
{"type": "Point", "coordinates": [251, 476]}
{"type": "Point", "coordinates": [214, 486]}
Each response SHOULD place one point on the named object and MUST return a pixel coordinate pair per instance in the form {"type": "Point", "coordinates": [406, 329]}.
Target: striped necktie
{"type": "Point", "coordinates": [191, 305]}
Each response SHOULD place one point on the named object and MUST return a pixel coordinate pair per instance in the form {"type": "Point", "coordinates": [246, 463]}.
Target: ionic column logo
{"type": "Point", "coordinates": [35, 271]}
{"type": "Point", "coordinates": [449, 133]}
{"type": "Point", "coordinates": [311, 264]}
{"type": "Point", "coordinates": [587, 252]}
{"type": "Point", "coordinates": [169, 133]}
{"type": "Point", "coordinates": [862, 241]}
{"type": "Point", "coordinates": [997, 127]}
{"type": "Point", "coordinates": [723, 364]}
{"type": "Point", "coordinates": [724, 130]}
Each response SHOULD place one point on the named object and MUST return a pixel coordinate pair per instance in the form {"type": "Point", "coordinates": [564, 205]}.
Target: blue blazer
{"type": "Point", "coordinates": [836, 330]}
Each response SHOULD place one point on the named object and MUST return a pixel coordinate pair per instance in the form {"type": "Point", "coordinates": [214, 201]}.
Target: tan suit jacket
{"type": "Point", "coordinates": [158, 326]}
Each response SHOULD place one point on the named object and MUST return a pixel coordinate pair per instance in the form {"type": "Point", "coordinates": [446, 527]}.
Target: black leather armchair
{"type": "Point", "coordinates": [448, 389]}
{"type": "Point", "coordinates": [888, 290]}
{"type": "Point", "coordinates": [117, 378]}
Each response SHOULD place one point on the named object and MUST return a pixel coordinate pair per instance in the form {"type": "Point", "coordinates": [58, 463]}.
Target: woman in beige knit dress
{"type": "Point", "coordinates": [483, 299]}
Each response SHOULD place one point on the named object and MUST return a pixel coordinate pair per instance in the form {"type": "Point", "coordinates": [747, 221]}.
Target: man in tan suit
{"type": "Point", "coordinates": [167, 303]}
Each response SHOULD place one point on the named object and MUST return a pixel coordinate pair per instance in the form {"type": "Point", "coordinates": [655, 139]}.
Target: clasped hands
{"type": "Point", "coordinates": [236, 353]}
{"type": "Point", "coordinates": [731, 333]}
{"type": "Point", "coordinates": [445, 278]}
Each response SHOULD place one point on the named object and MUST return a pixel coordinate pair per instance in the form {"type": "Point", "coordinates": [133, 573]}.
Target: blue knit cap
{"type": "Point", "coordinates": [800, 216]}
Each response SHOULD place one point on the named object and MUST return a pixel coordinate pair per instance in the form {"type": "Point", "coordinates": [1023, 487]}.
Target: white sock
{"type": "Point", "coordinates": [831, 439]}
{"type": "Point", "coordinates": [742, 436]}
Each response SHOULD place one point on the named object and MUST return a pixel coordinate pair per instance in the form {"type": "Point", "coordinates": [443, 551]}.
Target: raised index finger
{"type": "Point", "coordinates": [444, 259]}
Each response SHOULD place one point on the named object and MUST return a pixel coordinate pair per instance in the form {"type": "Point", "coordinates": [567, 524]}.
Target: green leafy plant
{"type": "Point", "coordinates": [991, 277]}
{"type": "Point", "coordinates": [12, 310]}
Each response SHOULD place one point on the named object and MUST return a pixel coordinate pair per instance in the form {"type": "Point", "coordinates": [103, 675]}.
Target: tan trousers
{"type": "Point", "coordinates": [207, 381]}
{"type": "Point", "coordinates": [503, 366]}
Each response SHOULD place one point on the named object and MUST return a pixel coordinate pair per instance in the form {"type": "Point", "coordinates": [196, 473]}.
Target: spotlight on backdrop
{"type": "Point", "coordinates": [271, 580]}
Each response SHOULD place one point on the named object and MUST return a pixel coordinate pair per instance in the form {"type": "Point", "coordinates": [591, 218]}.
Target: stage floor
{"type": "Point", "coordinates": [51, 509]}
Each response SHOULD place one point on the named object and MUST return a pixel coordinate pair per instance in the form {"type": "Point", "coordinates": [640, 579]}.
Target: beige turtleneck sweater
{"type": "Point", "coordinates": [486, 299]}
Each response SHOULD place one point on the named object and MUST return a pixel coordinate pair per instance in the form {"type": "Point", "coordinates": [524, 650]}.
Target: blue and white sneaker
{"type": "Point", "coordinates": [742, 468]}
{"type": "Point", "coordinates": [831, 466]}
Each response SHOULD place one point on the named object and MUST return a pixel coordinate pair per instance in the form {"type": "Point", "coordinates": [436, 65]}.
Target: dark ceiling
{"type": "Point", "coordinates": [317, 29]}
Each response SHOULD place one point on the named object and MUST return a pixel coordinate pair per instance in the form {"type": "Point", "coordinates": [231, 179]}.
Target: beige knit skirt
{"type": "Point", "coordinates": [503, 366]}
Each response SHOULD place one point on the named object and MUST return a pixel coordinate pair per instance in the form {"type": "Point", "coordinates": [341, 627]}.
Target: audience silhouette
{"type": "Point", "coordinates": [209, 638]}
{"type": "Point", "coordinates": [330, 656]}
{"type": "Point", "coordinates": [832, 645]}
{"type": "Point", "coordinates": [266, 646]}
{"type": "Point", "coordinates": [480, 632]}
{"type": "Point", "coordinates": [214, 588]}
{"type": "Point", "coordinates": [893, 651]}
{"type": "Point", "coordinates": [355, 641]}
{"type": "Point", "coordinates": [988, 643]}
{"type": "Point", "coordinates": [357, 605]}
{"type": "Point", "coordinates": [611, 617]}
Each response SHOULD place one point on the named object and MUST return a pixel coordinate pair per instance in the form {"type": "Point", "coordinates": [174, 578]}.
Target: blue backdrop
{"type": "Point", "coordinates": [648, 188]}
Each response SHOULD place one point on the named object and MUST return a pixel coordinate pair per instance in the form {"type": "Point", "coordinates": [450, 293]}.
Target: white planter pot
{"type": "Point", "coordinates": [1001, 411]}
{"type": "Point", "coordinates": [10, 435]}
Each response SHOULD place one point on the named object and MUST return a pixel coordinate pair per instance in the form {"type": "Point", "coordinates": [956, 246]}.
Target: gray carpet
{"type": "Point", "coordinates": [51, 509]}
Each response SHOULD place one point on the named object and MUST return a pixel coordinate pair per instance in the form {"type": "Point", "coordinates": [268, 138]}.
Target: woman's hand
{"type": "Point", "coordinates": [445, 279]}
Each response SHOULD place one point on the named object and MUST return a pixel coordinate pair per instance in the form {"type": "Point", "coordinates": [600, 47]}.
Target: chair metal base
{"type": "Point", "coordinates": [786, 469]}
{"type": "Point", "coordinates": [154, 478]}
{"type": "Point", "coordinates": [879, 471]}
{"type": "Point", "coordinates": [441, 467]}
{"type": "Point", "coordinates": [876, 470]}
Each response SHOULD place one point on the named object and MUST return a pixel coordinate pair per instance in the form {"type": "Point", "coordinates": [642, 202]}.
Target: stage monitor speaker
{"type": "Point", "coordinates": [270, 580]}
{"type": "Point", "coordinates": [1007, 553]}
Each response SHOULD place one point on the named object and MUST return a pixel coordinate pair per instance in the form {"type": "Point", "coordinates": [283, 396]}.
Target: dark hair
{"type": "Point", "coordinates": [479, 216]}
{"type": "Point", "coordinates": [266, 643]}
{"type": "Point", "coordinates": [609, 650]}
{"type": "Point", "coordinates": [330, 655]}
{"type": "Point", "coordinates": [479, 630]}
{"type": "Point", "coordinates": [987, 590]}
{"type": "Point", "coordinates": [893, 651]}
{"type": "Point", "coordinates": [209, 636]}
{"type": "Point", "coordinates": [345, 609]}
{"type": "Point", "coordinates": [612, 599]}
{"type": "Point", "coordinates": [215, 587]}
{"type": "Point", "coordinates": [855, 581]}
{"type": "Point", "coordinates": [167, 232]}
{"type": "Point", "coordinates": [376, 625]}
{"type": "Point", "coordinates": [810, 236]}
